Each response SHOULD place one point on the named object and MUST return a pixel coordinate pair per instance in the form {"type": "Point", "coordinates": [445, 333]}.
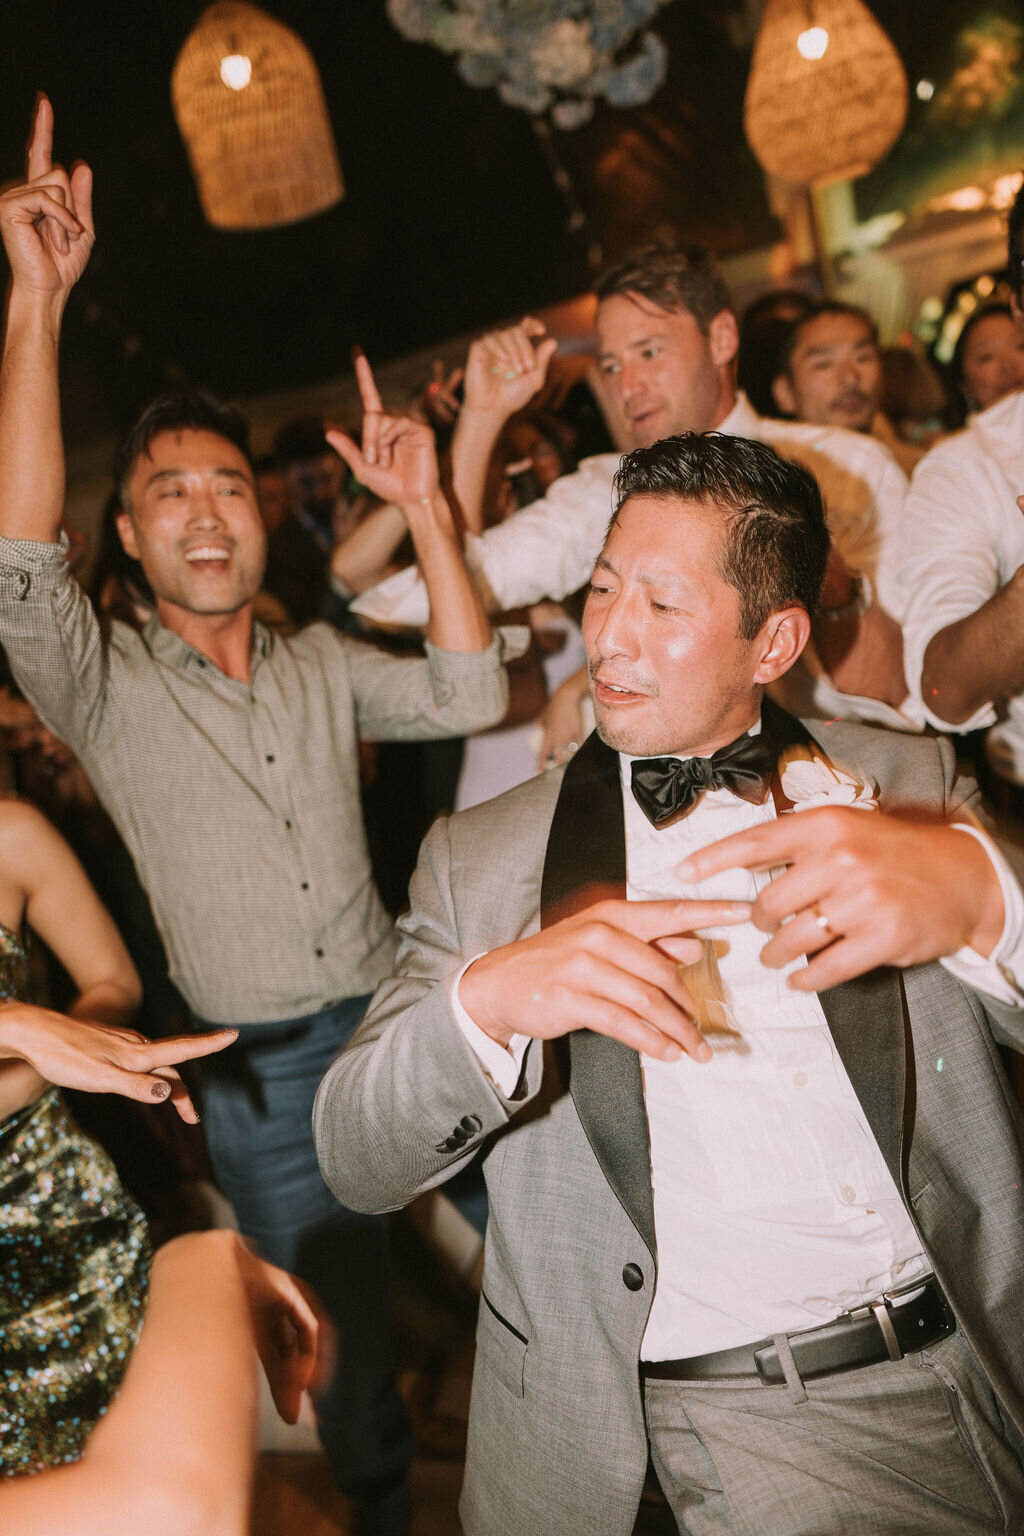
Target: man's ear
{"type": "Point", "coordinates": [782, 394]}
{"type": "Point", "coordinates": [783, 637]}
{"type": "Point", "coordinates": [723, 338]}
{"type": "Point", "coordinates": [126, 530]}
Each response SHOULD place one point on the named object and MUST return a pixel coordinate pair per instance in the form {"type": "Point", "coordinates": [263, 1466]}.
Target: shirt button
{"type": "Point", "coordinates": [288, 826]}
{"type": "Point", "coordinates": [305, 885]}
{"type": "Point", "coordinates": [632, 1277]}
{"type": "Point", "coordinates": [270, 757]}
{"type": "Point", "coordinates": [800, 1078]}
{"type": "Point", "coordinates": [849, 1194]}
{"type": "Point", "coordinates": [319, 953]}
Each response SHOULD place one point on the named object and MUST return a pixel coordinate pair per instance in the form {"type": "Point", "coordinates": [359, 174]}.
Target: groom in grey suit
{"type": "Point", "coordinates": [757, 1208]}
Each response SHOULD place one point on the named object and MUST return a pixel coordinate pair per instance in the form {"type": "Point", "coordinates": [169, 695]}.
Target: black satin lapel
{"type": "Point", "coordinates": [866, 1020]}
{"type": "Point", "coordinates": [586, 854]}
{"type": "Point", "coordinates": [865, 1016]}
{"type": "Point", "coordinates": [586, 862]}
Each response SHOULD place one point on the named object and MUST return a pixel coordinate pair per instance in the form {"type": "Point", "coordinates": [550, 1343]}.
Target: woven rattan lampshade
{"type": "Point", "coordinates": [261, 147]}
{"type": "Point", "coordinates": [831, 117]}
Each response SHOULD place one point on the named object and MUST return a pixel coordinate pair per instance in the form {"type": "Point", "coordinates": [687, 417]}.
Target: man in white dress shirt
{"type": "Point", "coordinates": [755, 1208]}
{"type": "Point", "coordinates": [667, 339]}
{"type": "Point", "coordinates": [963, 569]}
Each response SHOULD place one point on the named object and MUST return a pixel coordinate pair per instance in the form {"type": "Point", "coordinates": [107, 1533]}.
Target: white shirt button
{"type": "Point", "coordinates": [848, 1193]}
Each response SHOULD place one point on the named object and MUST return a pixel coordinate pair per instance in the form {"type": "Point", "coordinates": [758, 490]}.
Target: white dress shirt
{"type": "Point", "coordinates": [549, 549]}
{"type": "Point", "coordinates": [963, 538]}
{"type": "Point", "coordinates": [773, 1207]}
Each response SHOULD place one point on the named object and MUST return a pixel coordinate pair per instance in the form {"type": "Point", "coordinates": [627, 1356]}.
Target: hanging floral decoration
{"type": "Point", "coordinates": [554, 56]}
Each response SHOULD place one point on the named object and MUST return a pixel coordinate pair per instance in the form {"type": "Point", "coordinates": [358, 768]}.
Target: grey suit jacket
{"type": "Point", "coordinates": [557, 1441]}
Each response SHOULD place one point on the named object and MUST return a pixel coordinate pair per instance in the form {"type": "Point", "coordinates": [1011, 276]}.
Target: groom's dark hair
{"type": "Point", "coordinates": [775, 541]}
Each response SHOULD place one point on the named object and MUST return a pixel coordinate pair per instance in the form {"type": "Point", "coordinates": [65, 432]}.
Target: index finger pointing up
{"type": "Point", "coordinates": [39, 158]}
{"type": "Point", "coordinates": [367, 385]}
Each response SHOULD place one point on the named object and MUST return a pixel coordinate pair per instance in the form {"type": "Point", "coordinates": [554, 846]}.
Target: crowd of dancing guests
{"type": "Point", "coordinates": [242, 755]}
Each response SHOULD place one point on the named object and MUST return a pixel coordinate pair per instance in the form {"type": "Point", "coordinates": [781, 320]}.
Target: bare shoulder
{"type": "Point", "coordinates": [30, 850]}
{"type": "Point", "coordinates": [25, 833]}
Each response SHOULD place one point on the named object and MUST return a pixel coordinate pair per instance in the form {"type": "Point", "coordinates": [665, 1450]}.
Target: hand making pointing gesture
{"type": "Point", "coordinates": [104, 1058]}
{"type": "Point", "coordinates": [46, 220]}
{"type": "Point", "coordinates": [398, 461]}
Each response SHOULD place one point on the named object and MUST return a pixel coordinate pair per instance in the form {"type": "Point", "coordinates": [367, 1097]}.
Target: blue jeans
{"type": "Point", "coordinates": [257, 1113]}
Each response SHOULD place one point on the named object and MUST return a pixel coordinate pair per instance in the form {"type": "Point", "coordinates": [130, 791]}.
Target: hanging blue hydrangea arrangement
{"type": "Point", "coordinates": [554, 56]}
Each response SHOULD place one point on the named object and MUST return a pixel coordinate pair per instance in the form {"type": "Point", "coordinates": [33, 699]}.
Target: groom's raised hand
{"type": "Point", "coordinates": [613, 968]}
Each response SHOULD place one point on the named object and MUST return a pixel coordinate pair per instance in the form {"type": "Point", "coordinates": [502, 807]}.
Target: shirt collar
{"type": "Point", "coordinates": [742, 420]}
{"type": "Point", "coordinates": [170, 648]}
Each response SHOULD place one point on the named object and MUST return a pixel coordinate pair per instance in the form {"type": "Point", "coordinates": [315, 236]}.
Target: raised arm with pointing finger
{"type": "Point", "coordinates": [228, 758]}
{"type": "Point", "coordinates": [47, 230]}
{"type": "Point", "coordinates": [398, 462]}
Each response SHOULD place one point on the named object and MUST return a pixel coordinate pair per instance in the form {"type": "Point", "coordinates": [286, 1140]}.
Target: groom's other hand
{"type": "Point", "coordinates": [862, 889]}
{"type": "Point", "coordinates": [613, 968]}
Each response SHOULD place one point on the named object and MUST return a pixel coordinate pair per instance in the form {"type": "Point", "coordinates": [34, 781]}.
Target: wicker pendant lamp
{"type": "Point", "coordinates": [249, 103]}
{"type": "Point", "coordinates": [827, 95]}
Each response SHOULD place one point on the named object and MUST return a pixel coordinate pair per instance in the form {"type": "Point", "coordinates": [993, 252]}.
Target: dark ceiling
{"type": "Point", "coordinates": [451, 218]}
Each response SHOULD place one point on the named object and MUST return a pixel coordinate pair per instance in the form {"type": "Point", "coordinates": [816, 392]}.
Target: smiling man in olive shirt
{"type": "Point", "coordinates": [227, 758]}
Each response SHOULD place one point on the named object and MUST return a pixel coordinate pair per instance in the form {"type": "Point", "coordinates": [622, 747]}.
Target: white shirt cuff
{"type": "Point", "coordinates": [1001, 976]}
{"type": "Point", "coordinates": [502, 1066]}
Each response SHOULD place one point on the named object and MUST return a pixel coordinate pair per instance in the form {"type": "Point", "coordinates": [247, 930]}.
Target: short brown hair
{"type": "Point", "coordinates": [672, 277]}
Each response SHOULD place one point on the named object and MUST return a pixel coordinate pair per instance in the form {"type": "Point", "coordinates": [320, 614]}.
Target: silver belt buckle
{"type": "Point", "coordinates": [879, 1310]}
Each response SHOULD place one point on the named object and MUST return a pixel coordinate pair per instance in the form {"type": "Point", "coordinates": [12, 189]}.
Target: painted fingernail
{"type": "Point", "coordinates": [160, 1090]}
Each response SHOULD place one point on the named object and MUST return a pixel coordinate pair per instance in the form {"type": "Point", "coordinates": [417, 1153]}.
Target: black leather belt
{"type": "Point", "coordinates": [886, 1329]}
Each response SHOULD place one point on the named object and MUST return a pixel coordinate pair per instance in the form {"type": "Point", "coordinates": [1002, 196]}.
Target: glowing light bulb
{"type": "Point", "coordinates": [924, 90]}
{"type": "Point", "coordinates": [812, 43]}
{"type": "Point", "coordinates": [236, 71]}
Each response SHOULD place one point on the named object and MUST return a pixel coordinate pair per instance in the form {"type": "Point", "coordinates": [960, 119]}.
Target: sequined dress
{"type": "Point", "coordinates": [74, 1264]}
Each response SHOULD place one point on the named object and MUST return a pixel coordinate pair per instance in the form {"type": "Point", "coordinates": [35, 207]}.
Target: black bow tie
{"type": "Point", "coordinates": [667, 787]}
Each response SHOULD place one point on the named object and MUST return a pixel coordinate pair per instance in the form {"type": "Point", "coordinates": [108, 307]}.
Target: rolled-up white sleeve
{"type": "Point", "coordinates": [1001, 975]}
{"type": "Point", "coordinates": [546, 550]}
{"type": "Point", "coordinates": [952, 561]}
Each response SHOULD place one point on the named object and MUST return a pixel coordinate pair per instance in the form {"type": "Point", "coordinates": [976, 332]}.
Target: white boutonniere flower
{"type": "Point", "coordinates": [813, 782]}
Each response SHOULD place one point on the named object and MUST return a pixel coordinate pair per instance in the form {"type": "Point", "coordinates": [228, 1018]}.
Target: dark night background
{"type": "Point", "coordinates": [450, 220]}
